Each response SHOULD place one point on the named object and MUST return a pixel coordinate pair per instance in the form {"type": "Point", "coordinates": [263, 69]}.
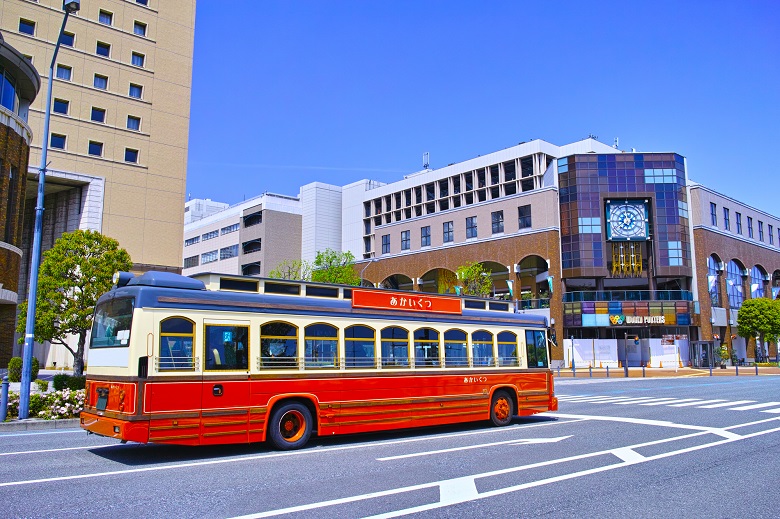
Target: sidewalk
{"type": "Point", "coordinates": [730, 371]}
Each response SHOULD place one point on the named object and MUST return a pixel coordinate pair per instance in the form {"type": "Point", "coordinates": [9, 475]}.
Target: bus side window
{"type": "Point", "coordinates": [455, 353]}
{"type": "Point", "coordinates": [508, 352]}
{"type": "Point", "coordinates": [536, 348]}
{"type": "Point", "coordinates": [359, 346]}
{"type": "Point", "coordinates": [482, 348]}
{"type": "Point", "coordinates": [176, 337]}
{"type": "Point", "coordinates": [227, 347]}
{"type": "Point", "coordinates": [278, 345]}
{"type": "Point", "coordinates": [426, 347]}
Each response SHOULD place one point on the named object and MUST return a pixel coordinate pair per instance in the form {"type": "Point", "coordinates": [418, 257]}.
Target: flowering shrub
{"type": "Point", "coordinates": [50, 406]}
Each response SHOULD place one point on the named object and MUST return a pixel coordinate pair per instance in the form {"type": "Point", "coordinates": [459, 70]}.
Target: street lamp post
{"type": "Point", "coordinates": [370, 261]}
{"type": "Point", "coordinates": [625, 354]}
{"type": "Point", "coordinates": [573, 366]}
{"type": "Point", "coordinates": [70, 6]}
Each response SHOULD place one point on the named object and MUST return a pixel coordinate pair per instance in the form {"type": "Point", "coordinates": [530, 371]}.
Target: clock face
{"type": "Point", "coordinates": [627, 221]}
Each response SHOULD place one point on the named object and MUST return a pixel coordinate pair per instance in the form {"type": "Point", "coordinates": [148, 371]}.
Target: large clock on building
{"type": "Point", "coordinates": [627, 220]}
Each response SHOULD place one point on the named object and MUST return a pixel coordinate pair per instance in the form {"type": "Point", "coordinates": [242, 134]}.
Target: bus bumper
{"type": "Point", "coordinates": [113, 428]}
{"type": "Point", "coordinates": [554, 403]}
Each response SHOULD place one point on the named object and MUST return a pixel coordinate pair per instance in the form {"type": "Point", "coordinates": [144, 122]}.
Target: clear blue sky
{"type": "Point", "coordinates": [286, 93]}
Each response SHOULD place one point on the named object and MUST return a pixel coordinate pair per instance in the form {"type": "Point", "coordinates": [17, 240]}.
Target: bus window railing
{"type": "Point", "coordinates": [508, 361]}
{"type": "Point", "coordinates": [395, 362]}
{"type": "Point", "coordinates": [176, 363]}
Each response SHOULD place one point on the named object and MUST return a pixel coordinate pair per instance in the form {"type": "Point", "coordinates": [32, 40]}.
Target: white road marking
{"type": "Point", "coordinates": [455, 490]}
{"type": "Point", "coordinates": [636, 400]}
{"type": "Point", "coordinates": [529, 441]}
{"type": "Point", "coordinates": [726, 404]}
{"type": "Point", "coordinates": [754, 406]}
{"type": "Point", "coordinates": [620, 453]}
{"type": "Point", "coordinates": [771, 410]}
{"type": "Point", "coordinates": [697, 403]}
{"type": "Point", "coordinates": [667, 401]}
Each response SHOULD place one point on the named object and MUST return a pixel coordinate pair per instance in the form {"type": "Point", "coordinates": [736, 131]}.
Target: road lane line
{"type": "Point", "coordinates": [771, 410]}
{"type": "Point", "coordinates": [636, 400]}
{"type": "Point", "coordinates": [628, 455]}
{"type": "Point", "coordinates": [754, 406]}
{"type": "Point", "coordinates": [455, 490]}
{"type": "Point", "coordinates": [303, 452]}
{"type": "Point", "coordinates": [667, 401]}
{"type": "Point", "coordinates": [528, 441]}
{"type": "Point", "coordinates": [697, 403]}
{"type": "Point", "coordinates": [726, 404]}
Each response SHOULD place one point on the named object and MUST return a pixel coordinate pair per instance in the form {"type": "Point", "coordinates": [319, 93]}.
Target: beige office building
{"type": "Point", "coordinates": [119, 125]}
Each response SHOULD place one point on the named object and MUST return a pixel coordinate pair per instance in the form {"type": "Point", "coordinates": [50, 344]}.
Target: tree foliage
{"type": "Point", "coordinates": [73, 275]}
{"type": "Point", "coordinates": [294, 270]}
{"type": "Point", "coordinates": [331, 266]}
{"type": "Point", "coordinates": [759, 317]}
{"type": "Point", "coordinates": [448, 280]}
{"type": "Point", "coordinates": [475, 279]}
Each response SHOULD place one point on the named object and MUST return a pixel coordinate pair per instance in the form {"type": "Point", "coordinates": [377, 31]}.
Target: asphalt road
{"type": "Point", "coordinates": [656, 447]}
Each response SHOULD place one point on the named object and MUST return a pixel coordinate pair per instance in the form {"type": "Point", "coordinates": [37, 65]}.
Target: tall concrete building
{"type": "Point", "coordinates": [120, 120]}
{"type": "Point", "coordinates": [119, 124]}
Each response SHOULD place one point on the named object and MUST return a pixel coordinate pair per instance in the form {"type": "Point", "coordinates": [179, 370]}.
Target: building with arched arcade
{"type": "Point", "coordinates": [628, 259]}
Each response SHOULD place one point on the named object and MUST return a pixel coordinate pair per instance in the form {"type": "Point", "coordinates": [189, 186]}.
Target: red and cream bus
{"type": "Point", "coordinates": [228, 359]}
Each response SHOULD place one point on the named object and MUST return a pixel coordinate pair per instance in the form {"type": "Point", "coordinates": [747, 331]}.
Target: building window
{"type": "Point", "coordinates": [67, 39]}
{"type": "Point", "coordinates": [142, 2]}
{"type": "Point", "coordinates": [726, 219]}
{"type": "Point", "coordinates": [229, 229]}
{"type": "Point", "coordinates": [471, 227]}
{"type": "Point", "coordinates": [425, 236]}
{"type": "Point", "coordinates": [63, 72]}
{"type": "Point", "coordinates": [209, 257]}
{"type": "Point", "coordinates": [131, 155]}
{"type": "Point", "coordinates": [105, 17]}
{"type": "Point", "coordinates": [191, 241]}
{"type": "Point", "coordinates": [103, 49]}
{"type": "Point", "coordinates": [100, 82]}
{"type": "Point", "coordinates": [524, 216]}
{"type": "Point", "coordinates": [497, 221]}
{"type": "Point", "coordinates": [98, 115]}
{"type": "Point", "coordinates": [228, 252]}
{"type": "Point", "coordinates": [138, 59]}
{"type": "Point", "coordinates": [139, 28]}
{"type": "Point", "coordinates": [210, 235]}
{"type": "Point", "coordinates": [739, 222]}
{"type": "Point", "coordinates": [57, 141]}
{"type": "Point", "coordinates": [386, 244]}
{"type": "Point", "coordinates": [771, 236]}
{"type": "Point", "coordinates": [96, 148]}
{"type": "Point", "coordinates": [714, 214]}
{"type": "Point", "coordinates": [750, 226]}
{"type": "Point", "coordinates": [760, 230]}
{"type": "Point", "coordinates": [136, 91]}
{"type": "Point", "coordinates": [190, 262]}
{"type": "Point", "coordinates": [449, 234]}
{"type": "Point", "coordinates": [255, 218]}
{"type": "Point", "coordinates": [133, 123]}
{"type": "Point", "coordinates": [61, 106]}
{"type": "Point", "coordinates": [405, 240]}
{"type": "Point", "coordinates": [27, 27]}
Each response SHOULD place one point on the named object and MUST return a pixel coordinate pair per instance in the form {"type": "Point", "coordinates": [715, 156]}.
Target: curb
{"type": "Point", "coordinates": [36, 424]}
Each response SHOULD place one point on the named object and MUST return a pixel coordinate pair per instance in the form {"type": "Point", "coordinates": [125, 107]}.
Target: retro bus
{"type": "Point", "coordinates": [216, 359]}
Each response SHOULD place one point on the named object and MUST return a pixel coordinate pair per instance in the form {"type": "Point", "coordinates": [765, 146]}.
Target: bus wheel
{"type": "Point", "coordinates": [290, 426]}
{"type": "Point", "coordinates": [501, 408]}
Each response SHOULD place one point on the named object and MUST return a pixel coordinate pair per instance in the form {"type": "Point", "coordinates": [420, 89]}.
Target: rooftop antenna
{"type": "Point", "coordinates": [594, 137]}
{"type": "Point", "coordinates": [616, 143]}
{"type": "Point", "coordinates": [426, 160]}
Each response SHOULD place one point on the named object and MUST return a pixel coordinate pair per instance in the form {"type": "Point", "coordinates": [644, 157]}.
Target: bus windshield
{"type": "Point", "coordinates": [111, 326]}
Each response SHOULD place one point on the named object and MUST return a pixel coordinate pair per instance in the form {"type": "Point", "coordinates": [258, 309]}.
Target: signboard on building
{"type": "Point", "coordinates": [620, 319]}
{"type": "Point", "coordinates": [409, 302]}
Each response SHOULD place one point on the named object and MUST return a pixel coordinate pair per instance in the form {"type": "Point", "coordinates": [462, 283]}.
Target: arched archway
{"type": "Point", "coordinates": [438, 281]}
{"type": "Point", "coordinates": [714, 268]}
{"type": "Point", "coordinates": [397, 282]}
{"type": "Point", "coordinates": [532, 281]}
{"type": "Point", "coordinates": [758, 277]}
{"type": "Point", "coordinates": [499, 275]}
{"type": "Point", "coordinates": [775, 284]}
{"type": "Point", "coordinates": [735, 271]}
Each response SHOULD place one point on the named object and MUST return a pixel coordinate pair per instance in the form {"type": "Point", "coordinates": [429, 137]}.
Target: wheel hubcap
{"type": "Point", "coordinates": [501, 409]}
{"type": "Point", "coordinates": [292, 426]}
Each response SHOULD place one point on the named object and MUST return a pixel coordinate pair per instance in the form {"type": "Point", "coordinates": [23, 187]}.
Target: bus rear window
{"type": "Point", "coordinates": [111, 326]}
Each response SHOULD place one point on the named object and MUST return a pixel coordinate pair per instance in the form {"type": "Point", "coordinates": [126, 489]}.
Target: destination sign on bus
{"type": "Point", "coordinates": [405, 301]}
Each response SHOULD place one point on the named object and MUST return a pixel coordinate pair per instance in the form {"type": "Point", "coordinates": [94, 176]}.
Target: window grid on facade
{"type": "Point", "coordinates": [210, 235]}
{"type": "Point", "coordinates": [425, 236]}
{"type": "Point", "coordinates": [67, 39]}
{"type": "Point", "coordinates": [131, 155]}
{"type": "Point", "coordinates": [524, 216]}
{"type": "Point", "coordinates": [209, 257]}
{"type": "Point", "coordinates": [228, 252]}
{"type": "Point", "coordinates": [191, 241]}
{"type": "Point", "coordinates": [497, 221]}
{"type": "Point", "coordinates": [136, 91]}
{"type": "Point", "coordinates": [405, 240]}
{"type": "Point", "coordinates": [133, 123]}
{"type": "Point", "coordinates": [750, 226]}
{"type": "Point", "coordinates": [739, 222]}
{"type": "Point", "coordinates": [760, 230]}
{"type": "Point", "coordinates": [229, 229]}
{"type": "Point", "coordinates": [139, 28]}
{"type": "Point", "coordinates": [103, 49]}
{"type": "Point", "coordinates": [100, 82]}
{"type": "Point", "coordinates": [190, 262]}
{"type": "Point", "coordinates": [138, 59]}
{"type": "Point", "coordinates": [385, 244]}
{"type": "Point", "coordinates": [98, 115]}
{"type": "Point", "coordinates": [449, 234]}
{"type": "Point", "coordinates": [726, 220]}
{"type": "Point", "coordinates": [57, 141]}
{"type": "Point", "coordinates": [105, 17]}
{"type": "Point", "coordinates": [770, 230]}
{"type": "Point", "coordinates": [27, 26]}
{"type": "Point", "coordinates": [95, 148]}
{"type": "Point", "coordinates": [471, 227]}
{"type": "Point", "coordinates": [714, 214]}
{"type": "Point", "coordinates": [64, 72]}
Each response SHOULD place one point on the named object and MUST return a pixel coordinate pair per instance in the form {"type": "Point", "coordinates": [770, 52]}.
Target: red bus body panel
{"type": "Point", "coordinates": [234, 410]}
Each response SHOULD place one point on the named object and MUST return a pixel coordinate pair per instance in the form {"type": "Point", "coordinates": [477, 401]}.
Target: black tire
{"type": "Point", "coordinates": [501, 408]}
{"type": "Point", "coordinates": [290, 426]}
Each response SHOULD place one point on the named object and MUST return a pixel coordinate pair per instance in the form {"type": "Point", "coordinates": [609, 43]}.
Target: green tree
{"type": "Point", "coordinates": [74, 273]}
{"type": "Point", "coordinates": [447, 281]}
{"type": "Point", "coordinates": [332, 266]}
{"type": "Point", "coordinates": [475, 279]}
{"type": "Point", "coordinates": [298, 270]}
{"type": "Point", "coordinates": [759, 317]}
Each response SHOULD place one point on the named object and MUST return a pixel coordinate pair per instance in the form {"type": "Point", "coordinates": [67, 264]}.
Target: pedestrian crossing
{"type": "Point", "coordinates": [649, 401]}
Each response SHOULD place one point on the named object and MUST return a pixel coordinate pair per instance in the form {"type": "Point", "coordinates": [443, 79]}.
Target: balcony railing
{"type": "Point", "coordinates": [629, 295]}
{"type": "Point", "coordinates": [531, 304]}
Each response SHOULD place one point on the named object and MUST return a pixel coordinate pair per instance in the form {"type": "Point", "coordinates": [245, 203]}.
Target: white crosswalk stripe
{"type": "Point", "coordinates": [719, 403]}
